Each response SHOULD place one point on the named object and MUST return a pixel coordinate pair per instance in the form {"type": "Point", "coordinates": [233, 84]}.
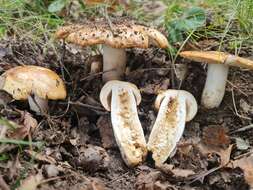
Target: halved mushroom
{"type": "Point", "coordinates": [122, 98]}
{"type": "Point", "coordinates": [217, 72]}
{"type": "Point", "coordinates": [115, 38]}
{"type": "Point", "coordinates": [175, 108]}
{"type": "Point", "coordinates": [37, 84]}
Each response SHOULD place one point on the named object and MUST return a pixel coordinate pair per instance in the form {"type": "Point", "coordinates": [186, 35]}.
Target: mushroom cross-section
{"type": "Point", "coordinates": [37, 84]}
{"type": "Point", "coordinates": [217, 72]}
{"type": "Point", "coordinates": [122, 98]}
{"type": "Point", "coordinates": [175, 108]}
{"type": "Point", "coordinates": [115, 38]}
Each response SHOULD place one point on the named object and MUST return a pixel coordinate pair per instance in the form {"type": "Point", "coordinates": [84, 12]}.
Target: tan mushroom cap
{"type": "Point", "coordinates": [215, 57]}
{"type": "Point", "coordinates": [121, 35]}
{"type": "Point", "coordinates": [23, 81]}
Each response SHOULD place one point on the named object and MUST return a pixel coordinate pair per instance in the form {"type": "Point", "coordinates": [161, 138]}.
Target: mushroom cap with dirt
{"type": "Point", "coordinates": [114, 37]}
{"type": "Point", "coordinates": [122, 98]}
{"type": "Point", "coordinates": [37, 84]}
{"type": "Point", "coordinates": [217, 72]}
{"type": "Point", "coordinates": [175, 108]}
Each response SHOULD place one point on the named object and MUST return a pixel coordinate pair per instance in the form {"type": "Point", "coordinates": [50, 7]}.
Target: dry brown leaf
{"type": "Point", "coordinates": [215, 135]}
{"type": "Point", "coordinates": [223, 153]}
{"type": "Point", "coordinates": [31, 182]}
{"type": "Point", "coordinates": [106, 132]}
{"type": "Point", "coordinates": [146, 181]}
{"type": "Point", "coordinates": [41, 157]}
{"type": "Point", "coordinates": [96, 184]}
{"type": "Point", "coordinates": [22, 130]}
{"type": "Point", "coordinates": [176, 172]}
{"type": "Point", "coordinates": [246, 164]}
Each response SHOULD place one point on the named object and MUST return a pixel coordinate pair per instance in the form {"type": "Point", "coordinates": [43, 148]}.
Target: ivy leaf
{"type": "Point", "coordinates": [57, 5]}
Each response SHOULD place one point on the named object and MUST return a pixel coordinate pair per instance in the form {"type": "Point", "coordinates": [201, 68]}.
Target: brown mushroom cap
{"type": "Point", "coordinates": [23, 81]}
{"type": "Point", "coordinates": [215, 57]}
{"type": "Point", "coordinates": [121, 35]}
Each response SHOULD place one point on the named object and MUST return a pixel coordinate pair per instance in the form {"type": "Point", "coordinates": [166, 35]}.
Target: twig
{"type": "Point", "coordinates": [245, 128]}
{"type": "Point", "coordinates": [86, 105]}
{"type": "Point", "coordinates": [236, 111]}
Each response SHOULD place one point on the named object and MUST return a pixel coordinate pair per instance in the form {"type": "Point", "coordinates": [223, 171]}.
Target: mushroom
{"type": "Point", "coordinates": [37, 84]}
{"type": "Point", "coordinates": [122, 98]}
{"type": "Point", "coordinates": [217, 72]}
{"type": "Point", "coordinates": [115, 38]}
{"type": "Point", "coordinates": [176, 107]}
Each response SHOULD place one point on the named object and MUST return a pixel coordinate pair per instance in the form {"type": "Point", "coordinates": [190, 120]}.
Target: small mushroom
{"type": "Point", "coordinates": [175, 108]}
{"type": "Point", "coordinates": [122, 98]}
{"type": "Point", "coordinates": [217, 72]}
{"type": "Point", "coordinates": [115, 38]}
{"type": "Point", "coordinates": [37, 84]}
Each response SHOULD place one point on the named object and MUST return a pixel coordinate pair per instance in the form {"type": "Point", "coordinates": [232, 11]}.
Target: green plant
{"type": "Point", "coordinates": [188, 20]}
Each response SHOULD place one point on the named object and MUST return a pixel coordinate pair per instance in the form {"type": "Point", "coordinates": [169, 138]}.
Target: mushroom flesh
{"type": "Point", "coordinates": [175, 108]}
{"type": "Point", "coordinates": [122, 98]}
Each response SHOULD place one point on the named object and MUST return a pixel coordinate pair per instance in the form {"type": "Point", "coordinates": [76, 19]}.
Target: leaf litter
{"type": "Point", "coordinates": [80, 151]}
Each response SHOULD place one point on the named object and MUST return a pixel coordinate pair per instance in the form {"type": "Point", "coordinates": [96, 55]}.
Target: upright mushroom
{"type": "Point", "coordinates": [175, 108]}
{"type": "Point", "coordinates": [122, 98]}
{"type": "Point", "coordinates": [37, 84]}
{"type": "Point", "coordinates": [217, 72]}
{"type": "Point", "coordinates": [115, 38]}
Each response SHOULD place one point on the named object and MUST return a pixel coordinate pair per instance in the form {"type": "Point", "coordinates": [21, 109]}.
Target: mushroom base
{"type": "Point", "coordinates": [215, 85]}
{"type": "Point", "coordinates": [38, 104]}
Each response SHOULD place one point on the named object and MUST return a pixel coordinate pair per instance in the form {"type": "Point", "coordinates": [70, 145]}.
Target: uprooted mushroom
{"type": "Point", "coordinates": [122, 98]}
{"type": "Point", "coordinates": [176, 107]}
{"type": "Point", "coordinates": [37, 84]}
{"type": "Point", "coordinates": [217, 73]}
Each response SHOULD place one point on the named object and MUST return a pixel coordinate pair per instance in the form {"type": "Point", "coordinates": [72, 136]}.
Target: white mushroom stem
{"type": "Point", "coordinates": [215, 85]}
{"type": "Point", "coordinates": [128, 132]}
{"type": "Point", "coordinates": [37, 104]}
{"type": "Point", "coordinates": [176, 107]}
{"type": "Point", "coordinates": [114, 63]}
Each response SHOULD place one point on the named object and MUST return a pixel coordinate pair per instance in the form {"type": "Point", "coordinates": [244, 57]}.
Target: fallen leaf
{"type": "Point", "coordinates": [146, 181]}
{"type": "Point", "coordinates": [176, 172]}
{"type": "Point", "coordinates": [28, 124]}
{"type": "Point", "coordinates": [223, 153]}
{"type": "Point", "coordinates": [31, 182]}
{"type": "Point", "coordinates": [106, 132]}
{"type": "Point", "coordinates": [246, 164]}
{"type": "Point", "coordinates": [215, 136]}
{"type": "Point", "coordinates": [96, 184]}
{"type": "Point", "coordinates": [41, 157]}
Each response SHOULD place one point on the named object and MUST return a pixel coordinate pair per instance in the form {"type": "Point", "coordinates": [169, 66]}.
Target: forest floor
{"type": "Point", "coordinates": [73, 147]}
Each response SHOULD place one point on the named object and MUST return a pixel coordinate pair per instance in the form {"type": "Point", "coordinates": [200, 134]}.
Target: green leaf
{"type": "Point", "coordinates": [190, 20]}
{"type": "Point", "coordinates": [4, 157]}
{"type": "Point", "coordinates": [57, 5]}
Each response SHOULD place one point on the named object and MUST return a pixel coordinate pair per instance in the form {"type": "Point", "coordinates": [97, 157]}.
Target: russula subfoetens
{"type": "Point", "coordinates": [37, 84]}
{"type": "Point", "coordinates": [122, 98]}
{"type": "Point", "coordinates": [175, 108]}
{"type": "Point", "coordinates": [115, 39]}
{"type": "Point", "coordinates": [217, 72]}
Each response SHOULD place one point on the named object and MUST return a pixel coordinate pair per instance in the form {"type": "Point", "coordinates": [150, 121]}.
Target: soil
{"type": "Point", "coordinates": [79, 145]}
